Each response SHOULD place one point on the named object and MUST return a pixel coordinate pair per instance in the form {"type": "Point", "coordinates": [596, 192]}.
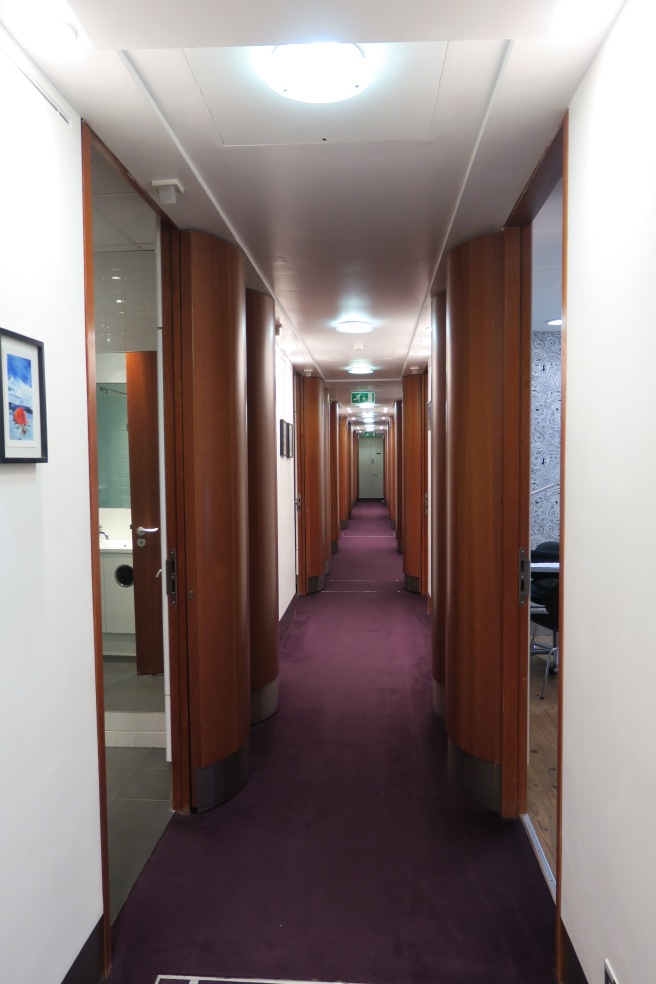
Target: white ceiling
{"type": "Point", "coordinates": [342, 210]}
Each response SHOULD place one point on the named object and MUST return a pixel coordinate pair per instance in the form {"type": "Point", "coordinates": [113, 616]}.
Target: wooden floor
{"type": "Point", "coordinates": [543, 755]}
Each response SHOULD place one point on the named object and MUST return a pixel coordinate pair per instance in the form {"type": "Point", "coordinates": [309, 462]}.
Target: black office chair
{"type": "Point", "coordinates": [548, 619]}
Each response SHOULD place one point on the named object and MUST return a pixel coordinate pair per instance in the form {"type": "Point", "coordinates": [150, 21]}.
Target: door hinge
{"type": "Point", "coordinates": [298, 504]}
{"type": "Point", "coordinates": [524, 577]}
{"type": "Point", "coordinates": [171, 577]}
{"type": "Point", "coordinates": [426, 503]}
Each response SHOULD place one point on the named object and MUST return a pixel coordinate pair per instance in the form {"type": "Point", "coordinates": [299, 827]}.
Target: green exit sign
{"type": "Point", "coordinates": [369, 398]}
{"type": "Point", "coordinates": [368, 434]}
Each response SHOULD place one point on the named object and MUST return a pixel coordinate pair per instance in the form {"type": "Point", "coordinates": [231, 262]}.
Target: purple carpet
{"type": "Point", "coordinates": [348, 856]}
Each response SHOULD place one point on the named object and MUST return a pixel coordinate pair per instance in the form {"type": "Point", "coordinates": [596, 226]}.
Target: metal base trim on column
{"type": "Point", "coordinates": [220, 781]}
{"type": "Point", "coordinates": [316, 583]}
{"type": "Point", "coordinates": [264, 702]}
{"type": "Point", "coordinates": [412, 584]}
{"type": "Point", "coordinates": [334, 546]}
{"type": "Point", "coordinates": [87, 968]}
{"type": "Point", "coordinates": [474, 776]}
{"type": "Point", "coordinates": [439, 700]}
{"type": "Point", "coordinates": [343, 524]}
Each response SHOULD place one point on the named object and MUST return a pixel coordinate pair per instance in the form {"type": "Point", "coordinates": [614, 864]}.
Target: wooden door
{"type": "Point", "coordinates": [141, 374]}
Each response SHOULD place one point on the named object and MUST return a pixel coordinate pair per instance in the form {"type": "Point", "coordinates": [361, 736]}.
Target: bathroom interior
{"type": "Point", "coordinates": [125, 303]}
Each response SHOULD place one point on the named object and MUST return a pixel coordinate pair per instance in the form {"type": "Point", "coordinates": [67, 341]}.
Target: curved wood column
{"type": "Point", "coordinates": [483, 449]}
{"type": "Point", "coordinates": [262, 504]}
{"type": "Point", "coordinates": [344, 471]}
{"type": "Point", "coordinates": [334, 476]}
{"type": "Point", "coordinates": [438, 491]}
{"type": "Point", "coordinates": [314, 495]}
{"type": "Point", "coordinates": [413, 479]}
{"type": "Point", "coordinates": [355, 468]}
{"type": "Point", "coordinates": [398, 478]}
{"type": "Point", "coordinates": [213, 327]}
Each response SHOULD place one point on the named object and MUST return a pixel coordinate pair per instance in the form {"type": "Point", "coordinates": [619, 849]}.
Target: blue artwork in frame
{"type": "Point", "coordinates": [23, 431]}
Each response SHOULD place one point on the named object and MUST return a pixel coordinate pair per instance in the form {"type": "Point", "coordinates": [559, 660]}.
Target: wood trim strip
{"type": "Point", "coordinates": [92, 423]}
{"type": "Point", "coordinates": [175, 518]}
{"type": "Point", "coordinates": [544, 179]}
{"type": "Point", "coordinates": [561, 936]}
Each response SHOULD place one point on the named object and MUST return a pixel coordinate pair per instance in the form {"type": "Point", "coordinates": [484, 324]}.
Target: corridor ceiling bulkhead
{"type": "Point", "coordinates": [344, 210]}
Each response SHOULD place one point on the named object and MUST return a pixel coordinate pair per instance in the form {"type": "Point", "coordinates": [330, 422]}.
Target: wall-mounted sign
{"type": "Point", "coordinates": [363, 397]}
{"type": "Point", "coordinates": [369, 434]}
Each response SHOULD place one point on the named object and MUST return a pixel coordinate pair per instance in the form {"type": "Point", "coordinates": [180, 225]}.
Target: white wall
{"type": "Point", "coordinates": [609, 744]}
{"type": "Point", "coordinates": [50, 886]}
{"type": "Point", "coordinates": [286, 488]}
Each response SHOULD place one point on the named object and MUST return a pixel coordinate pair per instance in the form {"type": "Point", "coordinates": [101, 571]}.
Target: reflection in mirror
{"type": "Point", "coordinates": [113, 460]}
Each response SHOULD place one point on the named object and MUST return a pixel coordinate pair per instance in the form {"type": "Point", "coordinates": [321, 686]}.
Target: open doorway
{"type": "Point", "coordinates": [546, 374]}
{"type": "Point", "coordinates": [126, 336]}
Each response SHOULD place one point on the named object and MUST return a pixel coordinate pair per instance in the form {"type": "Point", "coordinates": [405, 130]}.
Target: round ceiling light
{"type": "Point", "coordinates": [360, 370]}
{"type": "Point", "coordinates": [322, 72]}
{"type": "Point", "coordinates": [354, 327]}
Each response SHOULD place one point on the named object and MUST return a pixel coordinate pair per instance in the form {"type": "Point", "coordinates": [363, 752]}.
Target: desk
{"type": "Point", "coordinates": [546, 567]}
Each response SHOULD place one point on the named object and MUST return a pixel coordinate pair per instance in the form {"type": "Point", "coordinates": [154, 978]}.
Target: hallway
{"type": "Point", "coordinates": [348, 855]}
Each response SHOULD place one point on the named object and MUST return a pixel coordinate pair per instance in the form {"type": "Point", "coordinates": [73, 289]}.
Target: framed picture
{"type": "Point", "coordinates": [283, 439]}
{"type": "Point", "coordinates": [23, 431]}
{"type": "Point", "coordinates": [290, 440]}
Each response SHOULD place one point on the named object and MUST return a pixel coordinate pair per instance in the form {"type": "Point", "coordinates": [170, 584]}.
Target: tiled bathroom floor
{"type": "Point", "coordinates": [138, 810]}
{"type": "Point", "coordinates": [125, 691]}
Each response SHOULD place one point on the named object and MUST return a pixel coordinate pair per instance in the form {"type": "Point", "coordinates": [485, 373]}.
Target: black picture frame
{"type": "Point", "coordinates": [23, 421]}
{"type": "Point", "coordinates": [283, 439]}
{"type": "Point", "coordinates": [290, 440]}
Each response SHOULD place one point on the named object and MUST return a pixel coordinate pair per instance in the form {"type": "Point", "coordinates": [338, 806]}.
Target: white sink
{"type": "Point", "coordinates": [119, 546]}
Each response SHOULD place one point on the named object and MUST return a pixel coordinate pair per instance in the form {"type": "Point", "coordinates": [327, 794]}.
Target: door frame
{"type": "Point", "coordinates": [550, 169]}
{"type": "Point", "coordinates": [180, 766]}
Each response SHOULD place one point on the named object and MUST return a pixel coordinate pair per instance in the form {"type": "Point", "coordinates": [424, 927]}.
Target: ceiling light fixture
{"type": "Point", "coordinates": [360, 370]}
{"type": "Point", "coordinates": [322, 72]}
{"type": "Point", "coordinates": [556, 321]}
{"type": "Point", "coordinates": [354, 327]}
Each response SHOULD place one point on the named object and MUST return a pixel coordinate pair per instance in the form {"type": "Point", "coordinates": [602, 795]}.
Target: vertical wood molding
{"type": "Point", "coordinates": [299, 431]}
{"type": "Point", "coordinates": [398, 460]}
{"type": "Point", "coordinates": [216, 515]}
{"type": "Point", "coordinates": [334, 475]}
{"type": "Point", "coordinates": [413, 479]}
{"type": "Point", "coordinates": [344, 471]}
{"type": "Point", "coordinates": [262, 504]}
{"type": "Point", "coordinates": [561, 936]}
{"type": "Point", "coordinates": [327, 481]}
{"type": "Point", "coordinates": [391, 470]}
{"type": "Point", "coordinates": [175, 517]}
{"type": "Point", "coordinates": [355, 467]}
{"type": "Point", "coordinates": [90, 331]}
{"type": "Point", "coordinates": [438, 487]}
{"type": "Point", "coordinates": [314, 503]}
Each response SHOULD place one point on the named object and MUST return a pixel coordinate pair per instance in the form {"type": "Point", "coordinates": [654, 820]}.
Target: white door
{"type": "Point", "coordinates": [371, 464]}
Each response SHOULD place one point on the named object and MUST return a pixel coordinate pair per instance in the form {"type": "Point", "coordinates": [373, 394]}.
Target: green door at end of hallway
{"type": "Point", "coordinates": [371, 468]}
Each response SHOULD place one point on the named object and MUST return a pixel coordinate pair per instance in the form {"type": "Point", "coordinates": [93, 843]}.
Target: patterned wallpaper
{"type": "Point", "coordinates": [545, 436]}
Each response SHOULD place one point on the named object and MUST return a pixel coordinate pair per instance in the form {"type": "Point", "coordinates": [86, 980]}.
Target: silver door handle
{"type": "Point", "coordinates": [141, 530]}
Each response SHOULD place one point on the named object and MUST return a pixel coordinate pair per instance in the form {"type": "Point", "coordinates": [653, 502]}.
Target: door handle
{"type": "Point", "coordinates": [141, 530]}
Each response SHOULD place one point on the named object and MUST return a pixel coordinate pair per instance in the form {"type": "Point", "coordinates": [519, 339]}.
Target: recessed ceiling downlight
{"type": "Point", "coordinates": [322, 72]}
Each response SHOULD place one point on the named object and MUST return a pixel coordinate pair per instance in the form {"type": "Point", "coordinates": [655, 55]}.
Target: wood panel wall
{"type": "Point", "coordinates": [216, 512]}
{"type": "Point", "coordinates": [262, 504]}
{"type": "Point", "coordinates": [391, 471]}
{"type": "Point", "coordinates": [414, 480]}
